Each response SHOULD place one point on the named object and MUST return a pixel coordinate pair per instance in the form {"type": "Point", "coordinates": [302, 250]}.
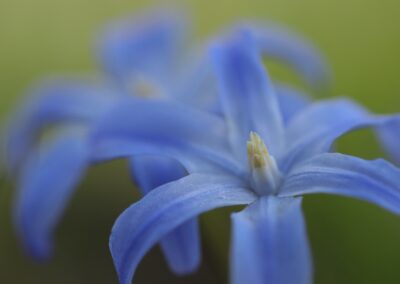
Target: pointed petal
{"type": "Point", "coordinates": [291, 101]}
{"type": "Point", "coordinates": [53, 102]}
{"type": "Point", "coordinates": [197, 86]}
{"type": "Point", "coordinates": [389, 137]}
{"type": "Point", "coordinates": [375, 181]}
{"type": "Point", "coordinates": [150, 127]}
{"type": "Point", "coordinates": [301, 55]}
{"type": "Point", "coordinates": [270, 243]}
{"type": "Point", "coordinates": [138, 48]}
{"type": "Point", "coordinates": [181, 247]}
{"type": "Point", "coordinates": [315, 129]}
{"type": "Point", "coordinates": [47, 183]}
{"type": "Point", "coordinates": [150, 172]}
{"type": "Point", "coordinates": [143, 224]}
{"type": "Point", "coordinates": [246, 93]}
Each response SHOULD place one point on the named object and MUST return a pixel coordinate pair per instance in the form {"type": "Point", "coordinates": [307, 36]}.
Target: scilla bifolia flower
{"type": "Point", "coordinates": [142, 58]}
{"type": "Point", "coordinates": [248, 156]}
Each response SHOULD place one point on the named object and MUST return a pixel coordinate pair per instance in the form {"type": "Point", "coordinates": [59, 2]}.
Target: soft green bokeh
{"type": "Point", "coordinates": [353, 242]}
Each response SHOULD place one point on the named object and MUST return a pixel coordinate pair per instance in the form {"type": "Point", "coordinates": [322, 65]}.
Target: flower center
{"type": "Point", "coordinates": [265, 176]}
{"type": "Point", "coordinates": [145, 87]}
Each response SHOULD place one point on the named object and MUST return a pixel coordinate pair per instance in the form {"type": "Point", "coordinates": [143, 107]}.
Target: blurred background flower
{"type": "Point", "coordinates": [360, 40]}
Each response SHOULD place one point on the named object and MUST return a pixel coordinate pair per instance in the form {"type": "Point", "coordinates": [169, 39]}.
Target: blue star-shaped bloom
{"type": "Point", "coordinates": [139, 57]}
{"type": "Point", "coordinates": [141, 50]}
{"type": "Point", "coordinates": [250, 156]}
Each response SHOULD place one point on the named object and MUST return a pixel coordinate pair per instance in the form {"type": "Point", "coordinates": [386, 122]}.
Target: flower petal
{"type": "Point", "coordinates": [291, 101]}
{"type": "Point", "coordinates": [313, 130]}
{"type": "Point", "coordinates": [375, 181]}
{"type": "Point", "coordinates": [53, 102]}
{"type": "Point", "coordinates": [150, 172]}
{"type": "Point", "coordinates": [47, 183]}
{"type": "Point", "coordinates": [246, 93]}
{"type": "Point", "coordinates": [151, 127]}
{"type": "Point", "coordinates": [388, 135]}
{"type": "Point", "coordinates": [139, 48]}
{"type": "Point", "coordinates": [182, 246]}
{"type": "Point", "coordinates": [270, 243]}
{"type": "Point", "coordinates": [143, 224]}
{"type": "Point", "coordinates": [287, 46]}
{"type": "Point", "coordinates": [197, 86]}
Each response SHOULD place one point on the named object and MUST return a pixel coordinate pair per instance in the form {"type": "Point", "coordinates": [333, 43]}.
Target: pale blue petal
{"type": "Point", "coordinates": [314, 130]}
{"type": "Point", "coordinates": [323, 115]}
{"type": "Point", "coordinates": [47, 182]}
{"type": "Point", "coordinates": [138, 48]}
{"type": "Point", "coordinates": [181, 247]}
{"type": "Point", "coordinates": [53, 102]}
{"type": "Point", "coordinates": [247, 96]}
{"type": "Point", "coordinates": [3, 162]}
{"type": "Point", "coordinates": [143, 224]}
{"type": "Point", "coordinates": [270, 244]}
{"type": "Point", "coordinates": [301, 55]}
{"type": "Point", "coordinates": [376, 181]}
{"type": "Point", "coordinates": [150, 127]}
{"type": "Point", "coordinates": [389, 136]}
{"type": "Point", "coordinates": [291, 101]}
{"type": "Point", "coordinates": [197, 86]}
{"type": "Point", "coordinates": [150, 172]}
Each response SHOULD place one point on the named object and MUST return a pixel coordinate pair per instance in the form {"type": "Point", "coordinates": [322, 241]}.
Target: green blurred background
{"type": "Point", "coordinates": [352, 241]}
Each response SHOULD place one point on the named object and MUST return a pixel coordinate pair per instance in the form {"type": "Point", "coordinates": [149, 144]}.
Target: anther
{"type": "Point", "coordinates": [265, 175]}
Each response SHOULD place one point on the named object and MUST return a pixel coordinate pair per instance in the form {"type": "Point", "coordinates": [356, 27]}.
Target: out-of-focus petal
{"type": "Point", "coordinates": [47, 182]}
{"type": "Point", "coordinates": [389, 136]}
{"type": "Point", "coordinates": [198, 86]}
{"type": "Point", "coordinates": [163, 209]}
{"type": "Point", "coordinates": [269, 243]}
{"type": "Point", "coordinates": [150, 172]}
{"type": "Point", "coordinates": [375, 181]}
{"type": "Point", "coordinates": [247, 96]}
{"type": "Point", "coordinates": [301, 55]}
{"type": "Point", "coordinates": [291, 101]}
{"type": "Point", "coordinates": [53, 102]}
{"type": "Point", "coordinates": [181, 247]}
{"type": "Point", "coordinates": [143, 48]}
{"type": "Point", "coordinates": [150, 127]}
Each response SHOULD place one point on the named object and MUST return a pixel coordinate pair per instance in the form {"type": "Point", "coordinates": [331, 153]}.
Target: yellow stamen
{"type": "Point", "coordinates": [257, 152]}
{"type": "Point", "coordinates": [264, 172]}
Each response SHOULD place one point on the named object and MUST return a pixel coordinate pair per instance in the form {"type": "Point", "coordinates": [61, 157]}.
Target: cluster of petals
{"type": "Point", "coordinates": [202, 128]}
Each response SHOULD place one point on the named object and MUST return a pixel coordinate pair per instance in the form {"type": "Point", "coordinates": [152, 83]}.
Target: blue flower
{"type": "Point", "coordinates": [249, 156]}
{"type": "Point", "coordinates": [49, 172]}
{"type": "Point", "coordinates": [136, 59]}
{"type": "Point", "coordinates": [139, 57]}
